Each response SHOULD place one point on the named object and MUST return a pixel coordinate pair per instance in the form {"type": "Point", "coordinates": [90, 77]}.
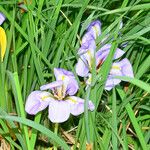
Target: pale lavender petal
{"type": "Point", "coordinates": [59, 111]}
{"type": "Point", "coordinates": [37, 101]}
{"type": "Point", "coordinates": [72, 87]}
{"type": "Point", "coordinates": [52, 85]}
{"type": "Point", "coordinates": [77, 105]}
{"type": "Point", "coordinates": [118, 53]}
{"type": "Point", "coordinates": [126, 68]}
{"type": "Point", "coordinates": [2, 18]}
{"type": "Point", "coordinates": [82, 68]}
{"type": "Point", "coordinates": [95, 28]}
{"type": "Point", "coordinates": [121, 68]}
{"type": "Point", "coordinates": [102, 54]}
{"type": "Point", "coordinates": [59, 73]}
{"type": "Point", "coordinates": [111, 82]}
{"type": "Point", "coordinates": [116, 69]}
{"type": "Point", "coordinates": [87, 45]}
{"type": "Point", "coordinates": [86, 39]}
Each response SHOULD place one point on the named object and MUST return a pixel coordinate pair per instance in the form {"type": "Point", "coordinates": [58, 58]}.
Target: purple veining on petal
{"type": "Point", "coordinates": [60, 71]}
{"type": "Point", "coordinates": [59, 111]}
{"type": "Point", "coordinates": [94, 29]}
{"type": "Point", "coordinates": [111, 83]}
{"type": "Point", "coordinates": [126, 68]}
{"type": "Point", "coordinates": [88, 45]}
{"type": "Point", "coordinates": [37, 101]}
{"type": "Point", "coordinates": [121, 68]}
{"type": "Point", "coordinates": [72, 87]}
{"type": "Point", "coordinates": [102, 54]}
{"type": "Point", "coordinates": [77, 105]}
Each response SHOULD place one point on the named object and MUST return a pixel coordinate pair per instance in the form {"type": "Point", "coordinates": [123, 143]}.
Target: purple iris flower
{"type": "Point", "coordinates": [60, 99]}
{"type": "Point", "coordinates": [2, 18]}
{"type": "Point", "coordinates": [84, 64]}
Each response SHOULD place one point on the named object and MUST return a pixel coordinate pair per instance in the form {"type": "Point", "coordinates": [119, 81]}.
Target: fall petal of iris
{"type": "Point", "coordinates": [77, 105]}
{"type": "Point", "coordinates": [37, 101]}
{"type": "Point", "coordinates": [59, 111]}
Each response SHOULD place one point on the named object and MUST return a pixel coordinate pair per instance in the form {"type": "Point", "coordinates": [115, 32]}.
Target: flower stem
{"type": "Point", "coordinates": [56, 131]}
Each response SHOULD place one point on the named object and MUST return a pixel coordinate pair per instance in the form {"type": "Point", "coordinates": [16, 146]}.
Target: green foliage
{"type": "Point", "coordinates": [43, 34]}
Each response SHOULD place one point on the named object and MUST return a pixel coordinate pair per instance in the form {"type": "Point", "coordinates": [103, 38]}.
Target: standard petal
{"type": "Point", "coordinates": [77, 105]}
{"type": "Point", "coordinates": [82, 68]}
{"type": "Point", "coordinates": [60, 73]}
{"type": "Point", "coordinates": [88, 45]}
{"type": "Point", "coordinates": [72, 87]}
{"type": "Point", "coordinates": [37, 101]}
{"type": "Point", "coordinates": [2, 18]}
{"type": "Point", "coordinates": [95, 28]}
{"type": "Point", "coordinates": [59, 111]}
{"type": "Point", "coordinates": [52, 85]}
{"type": "Point", "coordinates": [103, 52]}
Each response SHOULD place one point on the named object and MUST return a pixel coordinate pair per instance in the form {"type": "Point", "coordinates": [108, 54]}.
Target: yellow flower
{"type": "Point", "coordinates": [3, 42]}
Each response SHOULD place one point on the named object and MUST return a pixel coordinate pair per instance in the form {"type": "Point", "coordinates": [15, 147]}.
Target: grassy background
{"type": "Point", "coordinates": [45, 34]}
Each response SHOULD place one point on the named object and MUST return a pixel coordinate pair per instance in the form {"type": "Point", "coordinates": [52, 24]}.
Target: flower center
{"type": "Point", "coordinates": [60, 92]}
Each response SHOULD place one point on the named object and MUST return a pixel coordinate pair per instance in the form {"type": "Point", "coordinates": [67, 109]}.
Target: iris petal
{"type": "Point", "coordinates": [121, 68]}
{"type": "Point", "coordinates": [2, 18]}
{"type": "Point", "coordinates": [111, 82]}
{"type": "Point", "coordinates": [82, 68]}
{"type": "Point", "coordinates": [37, 101]}
{"type": "Point", "coordinates": [60, 73]}
{"type": "Point", "coordinates": [103, 52]}
{"type": "Point", "coordinates": [70, 85]}
{"type": "Point", "coordinates": [59, 111]}
{"type": "Point", "coordinates": [52, 85]}
{"type": "Point", "coordinates": [77, 105]}
{"type": "Point", "coordinates": [126, 68]}
{"type": "Point", "coordinates": [95, 28]}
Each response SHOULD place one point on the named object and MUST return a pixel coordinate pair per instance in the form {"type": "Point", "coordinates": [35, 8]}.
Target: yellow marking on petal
{"type": "Point", "coordinates": [71, 99]}
{"type": "Point", "coordinates": [96, 30]}
{"type": "Point", "coordinates": [63, 77]}
{"type": "Point", "coordinates": [116, 67]}
{"type": "Point", "coordinates": [91, 58]}
{"type": "Point", "coordinates": [59, 92]}
{"type": "Point", "coordinates": [3, 42]}
{"type": "Point", "coordinates": [44, 97]}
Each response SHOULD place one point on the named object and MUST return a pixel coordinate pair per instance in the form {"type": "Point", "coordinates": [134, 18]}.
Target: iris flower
{"type": "Point", "coordinates": [60, 98]}
{"type": "Point", "coordinates": [2, 37]}
{"type": "Point", "coordinates": [87, 51]}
